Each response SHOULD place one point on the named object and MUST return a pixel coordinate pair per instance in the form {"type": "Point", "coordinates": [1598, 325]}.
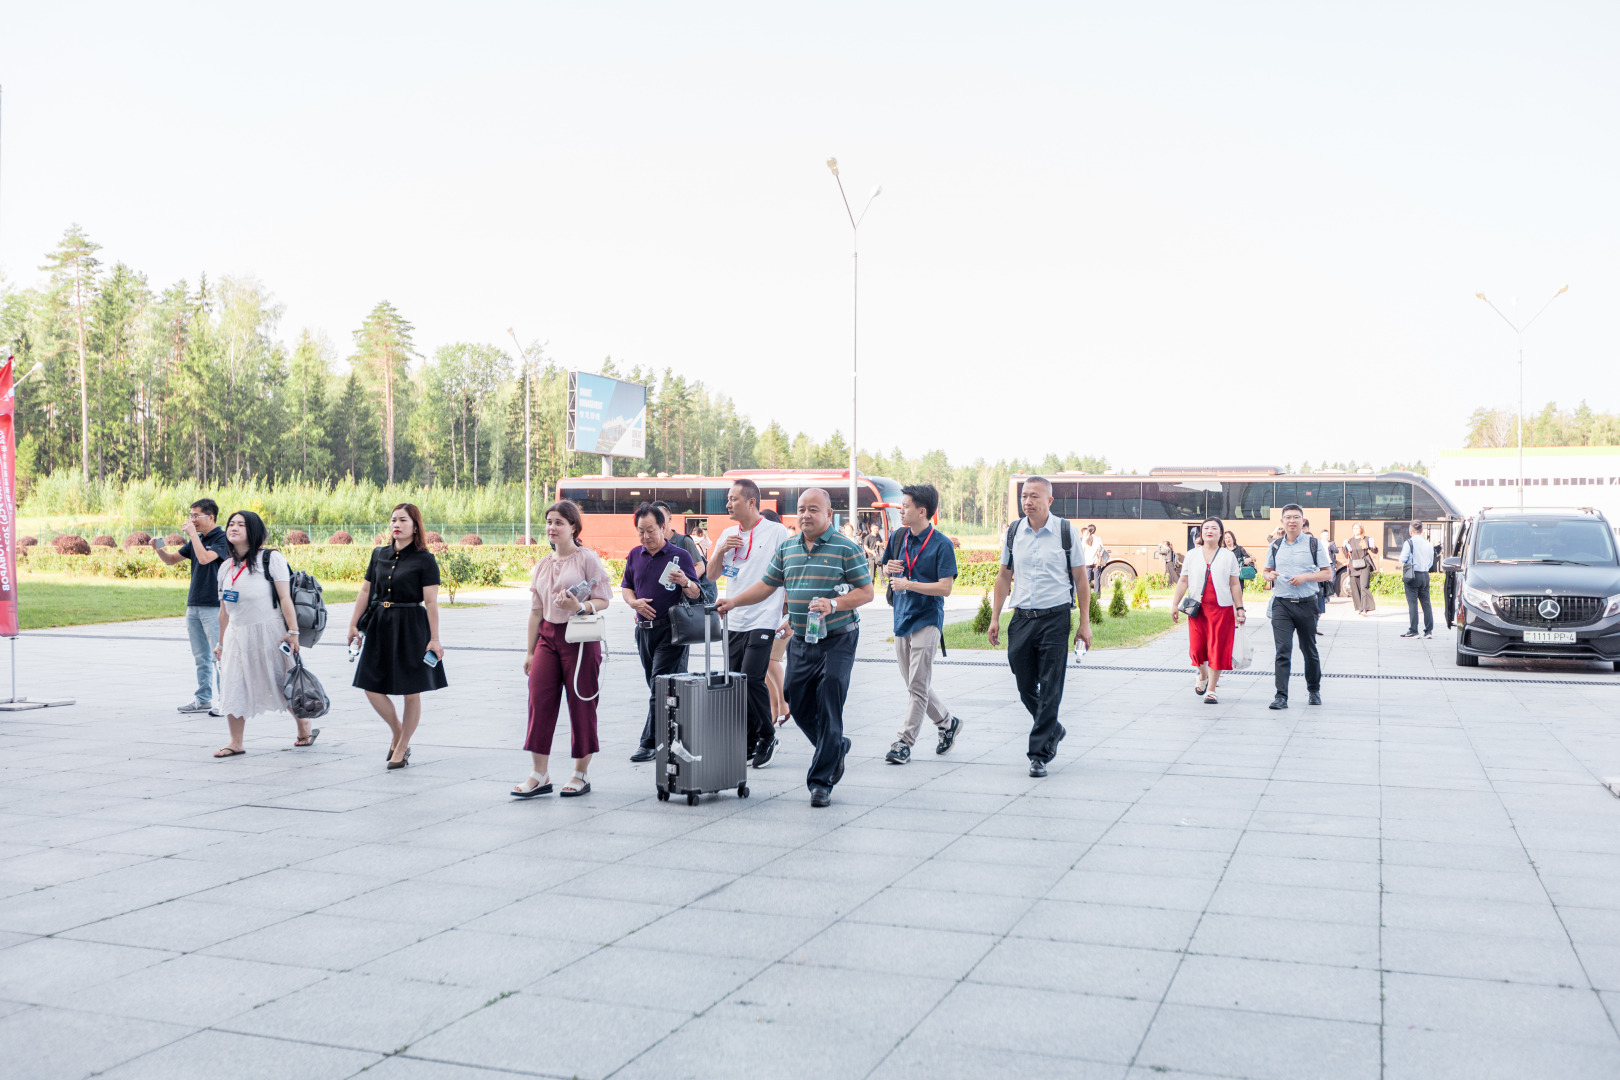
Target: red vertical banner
{"type": "Point", "coordinates": [8, 502]}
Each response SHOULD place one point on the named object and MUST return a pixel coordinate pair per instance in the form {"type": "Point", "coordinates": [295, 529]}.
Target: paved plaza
{"type": "Point", "coordinates": [1419, 879]}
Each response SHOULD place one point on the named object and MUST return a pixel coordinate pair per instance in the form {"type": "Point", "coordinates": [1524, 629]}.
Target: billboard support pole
{"type": "Point", "coordinates": [854, 335]}
{"type": "Point", "coordinates": [607, 465]}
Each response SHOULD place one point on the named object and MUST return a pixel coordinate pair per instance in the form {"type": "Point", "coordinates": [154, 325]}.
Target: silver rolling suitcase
{"type": "Point", "coordinates": [701, 722]}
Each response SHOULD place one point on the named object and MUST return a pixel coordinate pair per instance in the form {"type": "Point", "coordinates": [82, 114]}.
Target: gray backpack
{"type": "Point", "coordinates": [308, 604]}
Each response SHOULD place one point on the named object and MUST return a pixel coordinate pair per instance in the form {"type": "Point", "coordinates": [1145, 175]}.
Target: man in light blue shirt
{"type": "Point", "coordinates": [1295, 565]}
{"type": "Point", "coordinates": [1417, 560]}
{"type": "Point", "coordinates": [1045, 581]}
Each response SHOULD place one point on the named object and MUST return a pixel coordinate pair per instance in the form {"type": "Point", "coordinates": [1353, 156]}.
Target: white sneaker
{"type": "Point", "coordinates": [194, 706]}
{"type": "Point", "coordinates": [214, 710]}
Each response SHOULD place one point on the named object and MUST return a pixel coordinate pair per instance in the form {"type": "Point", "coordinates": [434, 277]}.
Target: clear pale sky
{"type": "Point", "coordinates": [1103, 228]}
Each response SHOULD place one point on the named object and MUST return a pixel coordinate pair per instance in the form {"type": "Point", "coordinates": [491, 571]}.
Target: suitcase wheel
{"type": "Point", "coordinates": [742, 791]}
{"type": "Point", "coordinates": [692, 799]}
{"type": "Point", "coordinates": [663, 796]}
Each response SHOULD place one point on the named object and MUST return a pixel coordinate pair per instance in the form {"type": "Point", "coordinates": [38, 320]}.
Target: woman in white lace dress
{"type": "Point", "coordinates": [255, 613]}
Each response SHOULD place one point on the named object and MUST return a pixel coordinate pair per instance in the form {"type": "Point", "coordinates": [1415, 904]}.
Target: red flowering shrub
{"type": "Point", "coordinates": [175, 538]}
{"type": "Point", "coordinates": [340, 537]}
{"type": "Point", "coordinates": [432, 537]}
{"type": "Point", "coordinates": [524, 541]}
{"type": "Point", "coordinates": [27, 541]}
{"type": "Point", "coordinates": [438, 547]}
{"type": "Point", "coordinates": [297, 536]}
{"type": "Point", "coordinates": [980, 555]}
{"type": "Point", "coordinates": [472, 540]}
{"type": "Point", "coordinates": [137, 539]}
{"type": "Point", "coordinates": [380, 539]}
{"type": "Point", "coordinates": [71, 544]}
{"type": "Point", "coordinates": [104, 541]}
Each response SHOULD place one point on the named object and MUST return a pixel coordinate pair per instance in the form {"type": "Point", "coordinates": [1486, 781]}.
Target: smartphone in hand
{"type": "Point", "coordinates": [430, 660]}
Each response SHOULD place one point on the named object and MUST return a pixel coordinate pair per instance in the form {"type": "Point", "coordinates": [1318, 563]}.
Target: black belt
{"type": "Point", "coordinates": [648, 624]}
{"type": "Point", "coordinates": [1035, 613]}
{"type": "Point", "coordinates": [842, 630]}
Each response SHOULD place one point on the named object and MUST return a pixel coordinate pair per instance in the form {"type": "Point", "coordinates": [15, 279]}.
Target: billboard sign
{"type": "Point", "coordinates": [8, 505]}
{"type": "Point", "coordinates": [606, 416]}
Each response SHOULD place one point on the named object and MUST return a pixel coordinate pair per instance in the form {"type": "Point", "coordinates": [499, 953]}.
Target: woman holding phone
{"type": "Point", "coordinates": [256, 621]}
{"type": "Point", "coordinates": [1211, 574]}
{"type": "Point", "coordinates": [570, 581]}
{"type": "Point", "coordinates": [397, 615]}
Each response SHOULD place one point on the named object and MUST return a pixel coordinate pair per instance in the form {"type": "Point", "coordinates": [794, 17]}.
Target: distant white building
{"type": "Point", "coordinates": [1553, 476]}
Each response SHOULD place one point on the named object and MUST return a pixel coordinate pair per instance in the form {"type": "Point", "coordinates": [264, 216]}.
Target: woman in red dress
{"type": "Point", "coordinates": [1211, 573]}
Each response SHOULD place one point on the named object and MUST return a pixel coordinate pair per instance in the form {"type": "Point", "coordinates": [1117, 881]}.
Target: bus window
{"type": "Point", "coordinates": [1248, 500]}
{"type": "Point", "coordinates": [594, 500]}
{"type": "Point", "coordinates": [1107, 499]}
{"type": "Point", "coordinates": [1426, 507]}
{"type": "Point", "coordinates": [714, 499]}
{"type": "Point", "coordinates": [1328, 494]}
{"type": "Point", "coordinates": [1065, 499]}
{"type": "Point", "coordinates": [680, 500]}
{"type": "Point", "coordinates": [1378, 500]}
{"type": "Point", "coordinates": [1172, 501]}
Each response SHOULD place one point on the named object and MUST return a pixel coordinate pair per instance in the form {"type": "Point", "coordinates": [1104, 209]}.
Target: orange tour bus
{"type": "Point", "coordinates": [699, 502]}
{"type": "Point", "coordinates": [1139, 518]}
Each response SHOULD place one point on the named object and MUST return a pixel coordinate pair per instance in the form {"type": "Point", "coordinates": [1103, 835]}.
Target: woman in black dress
{"type": "Point", "coordinates": [397, 614]}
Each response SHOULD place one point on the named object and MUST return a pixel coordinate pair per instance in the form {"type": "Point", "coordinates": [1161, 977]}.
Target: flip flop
{"type": "Point", "coordinates": [225, 752]}
{"type": "Point", "coordinates": [314, 733]}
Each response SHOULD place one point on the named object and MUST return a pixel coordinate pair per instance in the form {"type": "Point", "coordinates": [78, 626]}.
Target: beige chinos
{"type": "Point", "coordinates": [916, 652]}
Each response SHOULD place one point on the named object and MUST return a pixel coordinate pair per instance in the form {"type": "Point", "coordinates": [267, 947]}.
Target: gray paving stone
{"type": "Point", "coordinates": [45, 1043]}
{"type": "Point", "coordinates": [52, 970]}
{"type": "Point", "coordinates": [1075, 967]}
{"type": "Point", "coordinates": [1497, 1010]}
{"type": "Point", "coordinates": [1005, 1018]}
{"type": "Point", "coordinates": [360, 1012]}
{"type": "Point", "coordinates": [194, 989]}
{"type": "Point", "coordinates": [1270, 986]}
{"type": "Point", "coordinates": [179, 925]}
{"type": "Point", "coordinates": [633, 975]}
{"type": "Point", "coordinates": [1261, 1045]}
{"type": "Point", "coordinates": [1108, 924]}
{"type": "Point", "coordinates": [315, 940]}
{"type": "Point", "coordinates": [493, 963]}
{"type": "Point", "coordinates": [1297, 940]}
{"type": "Point", "coordinates": [248, 1057]}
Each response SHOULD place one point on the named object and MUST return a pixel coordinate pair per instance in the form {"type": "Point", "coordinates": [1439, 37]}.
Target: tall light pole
{"type": "Point", "coordinates": [854, 325]}
{"type": "Point", "coordinates": [528, 537]}
{"type": "Point", "coordinates": [1518, 332]}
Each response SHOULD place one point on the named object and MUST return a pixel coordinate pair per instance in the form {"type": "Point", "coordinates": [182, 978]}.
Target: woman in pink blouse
{"type": "Point", "coordinates": [554, 665]}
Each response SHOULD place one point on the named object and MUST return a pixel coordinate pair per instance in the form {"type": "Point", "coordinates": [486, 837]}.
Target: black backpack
{"type": "Point", "coordinates": [1063, 532]}
{"type": "Point", "coordinates": [1326, 586]}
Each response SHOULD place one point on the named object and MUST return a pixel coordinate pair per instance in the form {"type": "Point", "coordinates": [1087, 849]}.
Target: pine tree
{"type": "Point", "coordinates": [1117, 607]}
{"type": "Point", "coordinates": [307, 407]}
{"type": "Point", "coordinates": [384, 344]}
{"type": "Point", "coordinates": [73, 266]}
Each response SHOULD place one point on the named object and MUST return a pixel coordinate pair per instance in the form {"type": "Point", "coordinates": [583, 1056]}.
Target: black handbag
{"type": "Point", "coordinates": [686, 621]}
{"type": "Point", "coordinates": [1190, 606]}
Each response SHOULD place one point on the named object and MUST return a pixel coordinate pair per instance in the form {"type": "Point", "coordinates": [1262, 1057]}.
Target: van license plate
{"type": "Point", "coordinates": [1550, 637]}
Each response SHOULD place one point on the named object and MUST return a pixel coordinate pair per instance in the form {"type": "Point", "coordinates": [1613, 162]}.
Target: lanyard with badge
{"type": "Point", "coordinates": [231, 596]}
{"type": "Point", "coordinates": [730, 569]}
{"type": "Point", "coordinates": [908, 560]}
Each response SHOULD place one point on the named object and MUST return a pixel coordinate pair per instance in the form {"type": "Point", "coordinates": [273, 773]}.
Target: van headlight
{"type": "Point", "coordinates": [1612, 607]}
{"type": "Point", "coordinates": [1482, 599]}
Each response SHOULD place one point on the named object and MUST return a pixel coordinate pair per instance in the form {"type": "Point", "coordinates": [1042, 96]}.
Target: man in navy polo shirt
{"type": "Point", "coordinates": [920, 562]}
{"type": "Point", "coordinates": [644, 589]}
{"type": "Point", "coordinates": [206, 547]}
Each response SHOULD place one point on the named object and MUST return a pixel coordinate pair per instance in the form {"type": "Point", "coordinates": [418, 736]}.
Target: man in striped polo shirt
{"type": "Point", "coordinates": [811, 566]}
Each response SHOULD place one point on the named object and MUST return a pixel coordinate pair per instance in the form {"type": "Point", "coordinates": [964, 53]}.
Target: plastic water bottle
{"type": "Point", "coordinates": [812, 624]}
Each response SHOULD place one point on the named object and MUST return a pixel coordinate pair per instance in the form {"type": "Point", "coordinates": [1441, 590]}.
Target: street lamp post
{"type": "Point", "coordinates": [854, 323]}
{"type": "Point", "coordinates": [1518, 332]}
{"type": "Point", "coordinates": [528, 537]}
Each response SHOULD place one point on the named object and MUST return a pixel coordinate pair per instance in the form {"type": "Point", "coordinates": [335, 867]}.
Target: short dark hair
{"type": "Point", "coordinates": [750, 490]}
{"type": "Point", "coordinates": [568, 510]}
{"type": "Point", "coordinates": [663, 511]}
{"type": "Point", "coordinates": [1028, 480]}
{"type": "Point", "coordinates": [649, 508]}
{"type": "Point", "coordinates": [771, 515]}
{"type": "Point", "coordinates": [1417, 526]}
{"type": "Point", "coordinates": [1295, 506]}
{"type": "Point", "coordinates": [925, 496]}
{"type": "Point", "coordinates": [207, 506]}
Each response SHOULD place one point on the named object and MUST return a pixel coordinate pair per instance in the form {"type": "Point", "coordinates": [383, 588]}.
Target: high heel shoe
{"type": "Point", "coordinates": [402, 762]}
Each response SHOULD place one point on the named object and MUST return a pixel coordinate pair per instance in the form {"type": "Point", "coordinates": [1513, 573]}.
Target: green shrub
{"type": "Point", "coordinates": [1157, 582]}
{"type": "Point", "coordinates": [457, 569]}
{"type": "Point", "coordinates": [981, 619]}
{"type": "Point", "coordinates": [979, 575]}
{"type": "Point", "coordinates": [1139, 594]}
{"type": "Point", "coordinates": [1117, 607]}
{"type": "Point", "coordinates": [1096, 608]}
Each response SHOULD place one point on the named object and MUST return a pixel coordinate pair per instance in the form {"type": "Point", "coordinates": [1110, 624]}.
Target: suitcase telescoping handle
{"type": "Point", "coordinates": [725, 645]}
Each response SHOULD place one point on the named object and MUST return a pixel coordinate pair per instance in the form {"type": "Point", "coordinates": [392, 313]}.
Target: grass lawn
{"type": "Point", "coordinates": [46, 600]}
{"type": "Point", "coordinates": [1137, 628]}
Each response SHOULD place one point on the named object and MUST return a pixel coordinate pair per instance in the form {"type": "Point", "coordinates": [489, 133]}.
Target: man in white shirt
{"type": "Point", "coordinates": [740, 558]}
{"type": "Point", "coordinates": [1044, 567]}
{"type": "Point", "coordinates": [1417, 560]}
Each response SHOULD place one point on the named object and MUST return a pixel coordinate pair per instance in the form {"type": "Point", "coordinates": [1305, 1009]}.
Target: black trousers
{"type": "Point", "coordinates": [750, 652]}
{"type": "Point", "coordinates": [658, 657]}
{"type": "Point", "coordinates": [1287, 617]}
{"type": "Point", "coordinates": [1038, 652]}
{"type": "Point", "coordinates": [1417, 594]}
{"type": "Point", "coordinates": [817, 684]}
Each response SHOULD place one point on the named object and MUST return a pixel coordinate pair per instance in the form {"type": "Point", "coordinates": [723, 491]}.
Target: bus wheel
{"type": "Point", "coordinates": [1123, 571]}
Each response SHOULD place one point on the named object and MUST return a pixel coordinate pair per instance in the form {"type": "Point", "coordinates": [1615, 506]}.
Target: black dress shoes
{"type": "Point", "coordinates": [1315, 698]}
{"type": "Point", "coordinates": [820, 796]}
{"type": "Point", "coordinates": [643, 753]}
{"type": "Point", "coordinates": [1037, 767]}
{"type": "Point", "coordinates": [1279, 702]}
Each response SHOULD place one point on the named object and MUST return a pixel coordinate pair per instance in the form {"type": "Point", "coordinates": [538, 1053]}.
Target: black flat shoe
{"type": "Point", "coordinates": [820, 796]}
{"type": "Point", "coordinates": [1037, 767]}
{"type": "Point", "coordinates": [643, 754]}
{"type": "Point", "coordinates": [1279, 702]}
{"type": "Point", "coordinates": [1314, 699]}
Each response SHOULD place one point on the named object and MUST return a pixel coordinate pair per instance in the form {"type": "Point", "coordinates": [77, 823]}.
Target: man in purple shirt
{"type": "Point", "coordinates": [652, 574]}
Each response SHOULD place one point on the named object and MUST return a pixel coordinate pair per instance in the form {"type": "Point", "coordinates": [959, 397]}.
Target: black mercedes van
{"type": "Point", "coordinates": [1535, 584]}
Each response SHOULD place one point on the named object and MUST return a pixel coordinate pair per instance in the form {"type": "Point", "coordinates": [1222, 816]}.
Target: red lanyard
{"type": "Point", "coordinates": [239, 568]}
{"type": "Point", "coordinates": [750, 551]}
{"type": "Point", "coordinates": [906, 557]}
